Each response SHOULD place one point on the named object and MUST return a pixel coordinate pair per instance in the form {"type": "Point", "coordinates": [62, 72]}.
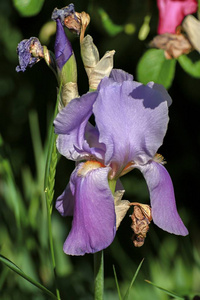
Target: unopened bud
{"type": "Point", "coordinates": [96, 69]}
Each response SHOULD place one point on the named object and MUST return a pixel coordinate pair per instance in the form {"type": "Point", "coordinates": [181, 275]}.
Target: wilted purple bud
{"type": "Point", "coordinates": [29, 51]}
{"type": "Point", "coordinates": [63, 48]}
{"type": "Point", "coordinates": [74, 21]}
{"type": "Point", "coordinates": [63, 13]}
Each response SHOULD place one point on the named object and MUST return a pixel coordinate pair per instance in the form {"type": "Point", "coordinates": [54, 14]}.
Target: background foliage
{"type": "Point", "coordinates": [27, 101]}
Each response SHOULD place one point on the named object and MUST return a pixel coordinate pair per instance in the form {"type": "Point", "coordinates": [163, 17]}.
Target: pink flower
{"type": "Point", "coordinates": [172, 13]}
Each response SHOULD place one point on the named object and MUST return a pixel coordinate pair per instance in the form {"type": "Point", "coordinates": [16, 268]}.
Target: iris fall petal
{"type": "Point", "coordinates": [94, 221]}
{"type": "Point", "coordinates": [65, 202]}
{"type": "Point", "coordinates": [164, 211]}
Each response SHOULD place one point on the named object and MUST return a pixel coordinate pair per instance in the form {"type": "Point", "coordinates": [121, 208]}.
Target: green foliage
{"type": "Point", "coordinates": [192, 68]}
{"type": "Point", "coordinates": [117, 283]}
{"type": "Point", "coordinates": [28, 8]}
{"type": "Point", "coordinates": [17, 270]}
{"type": "Point", "coordinates": [166, 291]}
{"type": "Point", "coordinates": [126, 297]}
{"type": "Point", "coordinates": [153, 66]}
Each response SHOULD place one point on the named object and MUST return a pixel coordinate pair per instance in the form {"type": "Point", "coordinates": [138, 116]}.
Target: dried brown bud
{"type": "Point", "coordinates": [73, 23]}
{"type": "Point", "coordinates": [173, 45]}
{"type": "Point", "coordinates": [77, 23]}
{"type": "Point", "coordinates": [85, 20]}
{"type": "Point", "coordinates": [141, 218]}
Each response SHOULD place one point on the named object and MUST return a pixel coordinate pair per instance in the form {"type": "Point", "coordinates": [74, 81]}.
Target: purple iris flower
{"type": "Point", "coordinates": [131, 122]}
{"type": "Point", "coordinates": [29, 51]}
{"type": "Point", "coordinates": [63, 48]}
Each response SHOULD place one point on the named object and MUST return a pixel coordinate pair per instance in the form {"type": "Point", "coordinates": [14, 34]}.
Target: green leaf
{"type": "Point", "coordinates": [190, 67]}
{"type": "Point", "coordinates": [133, 280]}
{"type": "Point", "coordinates": [17, 270]}
{"type": "Point", "coordinates": [28, 8]}
{"type": "Point", "coordinates": [166, 291]}
{"type": "Point", "coordinates": [117, 284]}
{"type": "Point", "coordinates": [153, 66]}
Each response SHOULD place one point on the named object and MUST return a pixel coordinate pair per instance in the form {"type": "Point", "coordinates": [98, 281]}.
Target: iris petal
{"type": "Point", "coordinates": [119, 75]}
{"type": "Point", "coordinates": [132, 120]}
{"type": "Point", "coordinates": [164, 211]}
{"type": "Point", "coordinates": [65, 202]}
{"type": "Point", "coordinates": [70, 124]}
{"type": "Point", "coordinates": [94, 221]}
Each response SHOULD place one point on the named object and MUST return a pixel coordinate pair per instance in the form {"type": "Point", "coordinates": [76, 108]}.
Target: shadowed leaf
{"type": "Point", "coordinates": [153, 66]}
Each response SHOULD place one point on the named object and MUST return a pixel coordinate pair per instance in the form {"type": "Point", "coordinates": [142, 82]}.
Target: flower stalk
{"type": "Point", "coordinates": [49, 182]}
{"type": "Point", "coordinates": [98, 275]}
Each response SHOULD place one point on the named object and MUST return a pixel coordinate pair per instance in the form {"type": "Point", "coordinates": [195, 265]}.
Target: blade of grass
{"type": "Point", "coordinates": [134, 277]}
{"type": "Point", "coordinates": [116, 281]}
{"type": "Point", "coordinates": [166, 291]}
{"type": "Point", "coordinates": [17, 270]}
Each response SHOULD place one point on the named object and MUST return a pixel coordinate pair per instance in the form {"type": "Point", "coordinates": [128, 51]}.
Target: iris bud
{"type": "Point", "coordinates": [96, 69]}
{"type": "Point", "coordinates": [66, 66]}
{"type": "Point", "coordinates": [29, 51]}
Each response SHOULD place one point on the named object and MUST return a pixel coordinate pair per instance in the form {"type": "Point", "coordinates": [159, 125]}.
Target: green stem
{"type": "Point", "coordinates": [98, 275]}
{"type": "Point", "coordinates": [99, 262]}
{"type": "Point", "coordinates": [52, 250]}
{"type": "Point", "coordinates": [49, 191]}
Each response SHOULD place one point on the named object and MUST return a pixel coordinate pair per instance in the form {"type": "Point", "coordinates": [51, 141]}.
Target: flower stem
{"type": "Point", "coordinates": [49, 192]}
{"type": "Point", "coordinates": [98, 275]}
{"type": "Point", "coordinates": [52, 250]}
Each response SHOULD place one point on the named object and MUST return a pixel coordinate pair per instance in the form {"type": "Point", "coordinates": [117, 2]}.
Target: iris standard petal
{"type": "Point", "coordinates": [94, 221]}
{"type": "Point", "coordinates": [65, 202]}
{"type": "Point", "coordinates": [132, 121]}
{"type": "Point", "coordinates": [119, 75]}
{"type": "Point", "coordinates": [164, 211]}
{"type": "Point", "coordinates": [70, 124]}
